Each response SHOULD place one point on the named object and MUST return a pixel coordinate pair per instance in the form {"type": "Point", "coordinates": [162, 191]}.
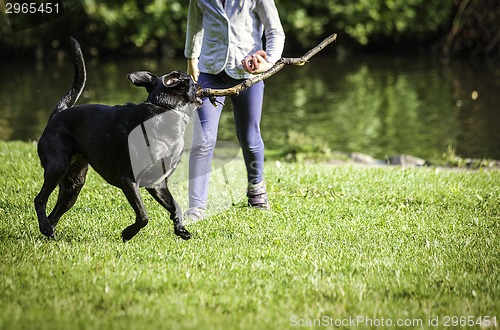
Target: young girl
{"type": "Point", "coordinates": [224, 46]}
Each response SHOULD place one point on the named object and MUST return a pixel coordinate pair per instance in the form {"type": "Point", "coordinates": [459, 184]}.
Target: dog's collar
{"type": "Point", "coordinates": [155, 106]}
{"type": "Point", "coordinates": [182, 111]}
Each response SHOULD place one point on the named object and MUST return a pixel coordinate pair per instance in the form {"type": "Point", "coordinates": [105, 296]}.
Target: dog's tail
{"type": "Point", "coordinates": [72, 95]}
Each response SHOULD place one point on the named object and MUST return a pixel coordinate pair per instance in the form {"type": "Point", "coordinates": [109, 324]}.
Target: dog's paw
{"type": "Point", "coordinates": [129, 232]}
{"type": "Point", "coordinates": [124, 238]}
{"type": "Point", "coordinates": [182, 233]}
{"type": "Point", "coordinates": [48, 231]}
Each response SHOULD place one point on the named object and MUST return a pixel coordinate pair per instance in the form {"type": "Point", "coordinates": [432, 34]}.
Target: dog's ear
{"type": "Point", "coordinates": [142, 78]}
{"type": "Point", "coordinates": [171, 79]}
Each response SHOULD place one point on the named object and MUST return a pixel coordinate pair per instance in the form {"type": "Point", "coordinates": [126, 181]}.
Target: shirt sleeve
{"type": "Point", "coordinates": [194, 31]}
{"type": "Point", "coordinates": [273, 30]}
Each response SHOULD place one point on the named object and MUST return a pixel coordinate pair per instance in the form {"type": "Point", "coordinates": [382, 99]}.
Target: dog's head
{"type": "Point", "coordinates": [170, 91]}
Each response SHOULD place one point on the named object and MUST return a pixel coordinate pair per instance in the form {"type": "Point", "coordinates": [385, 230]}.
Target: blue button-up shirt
{"type": "Point", "coordinates": [220, 37]}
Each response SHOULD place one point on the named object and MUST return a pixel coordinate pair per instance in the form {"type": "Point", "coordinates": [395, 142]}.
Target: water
{"type": "Point", "coordinates": [376, 105]}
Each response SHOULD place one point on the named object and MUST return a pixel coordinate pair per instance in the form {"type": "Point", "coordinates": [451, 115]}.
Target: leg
{"type": "Point", "coordinates": [69, 189]}
{"type": "Point", "coordinates": [131, 191]}
{"type": "Point", "coordinates": [165, 198]}
{"type": "Point", "coordinates": [205, 129]}
{"type": "Point", "coordinates": [52, 176]}
{"type": "Point", "coordinates": [247, 115]}
{"type": "Point", "coordinates": [54, 151]}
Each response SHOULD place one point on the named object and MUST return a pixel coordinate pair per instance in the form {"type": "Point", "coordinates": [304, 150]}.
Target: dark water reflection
{"type": "Point", "coordinates": [376, 105]}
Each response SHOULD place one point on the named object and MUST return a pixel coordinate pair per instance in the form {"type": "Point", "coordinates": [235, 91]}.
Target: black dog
{"type": "Point", "coordinates": [99, 135]}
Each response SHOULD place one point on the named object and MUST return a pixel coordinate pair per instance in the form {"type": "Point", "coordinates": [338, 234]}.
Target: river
{"type": "Point", "coordinates": [378, 105]}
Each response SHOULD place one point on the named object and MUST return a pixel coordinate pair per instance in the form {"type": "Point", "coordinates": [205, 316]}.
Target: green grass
{"type": "Point", "coordinates": [341, 242]}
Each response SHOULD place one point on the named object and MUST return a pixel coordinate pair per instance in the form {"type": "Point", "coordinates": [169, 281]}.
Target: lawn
{"type": "Point", "coordinates": [344, 244]}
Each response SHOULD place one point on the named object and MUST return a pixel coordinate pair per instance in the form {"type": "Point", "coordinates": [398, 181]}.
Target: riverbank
{"type": "Point", "coordinates": [449, 160]}
{"type": "Point", "coordinates": [340, 242]}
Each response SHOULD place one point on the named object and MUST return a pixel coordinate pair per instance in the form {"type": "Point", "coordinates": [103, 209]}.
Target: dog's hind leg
{"type": "Point", "coordinates": [55, 152]}
{"type": "Point", "coordinates": [69, 189]}
{"type": "Point", "coordinates": [165, 198]}
{"type": "Point", "coordinates": [131, 191]}
{"type": "Point", "coordinates": [52, 177]}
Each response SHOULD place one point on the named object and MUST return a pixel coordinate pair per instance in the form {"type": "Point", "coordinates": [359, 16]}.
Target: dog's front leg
{"type": "Point", "coordinates": [131, 191]}
{"type": "Point", "coordinates": [165, 198]}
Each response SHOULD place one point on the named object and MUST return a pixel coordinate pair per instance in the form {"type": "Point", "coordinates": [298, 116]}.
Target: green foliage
{"type": "Point", "coordinates": [146, 25]}
{"type": "Point", "coordinates": [365, 20]}
{"type": "Point", "coordinates": [160, 25]}
{"type": "Point", "coordinates": [340, 241]}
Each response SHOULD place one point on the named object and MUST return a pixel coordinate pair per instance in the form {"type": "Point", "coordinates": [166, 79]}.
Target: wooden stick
{"type": "Point", "coordinates": [297, 61]}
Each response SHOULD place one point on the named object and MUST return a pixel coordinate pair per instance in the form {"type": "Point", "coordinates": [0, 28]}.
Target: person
{"type": "Point", "coordinates": [224, 46]}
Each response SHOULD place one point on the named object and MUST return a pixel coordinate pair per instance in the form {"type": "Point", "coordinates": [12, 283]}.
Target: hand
{"type": "Point", "coordinates": [256, 63]}
{"type": "Point", "coordinates": [192, 69]}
